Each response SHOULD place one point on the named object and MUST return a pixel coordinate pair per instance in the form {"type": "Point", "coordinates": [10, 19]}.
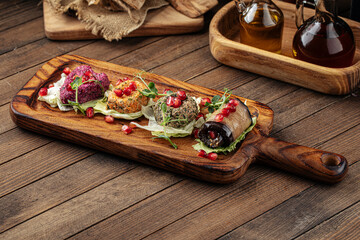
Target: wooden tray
{"type": "Point", "coordinates": [163, 21]}
{"type": "Point", "coordinates": [226, 48]}
{"type": "Point", "coordinates": [29, 113]}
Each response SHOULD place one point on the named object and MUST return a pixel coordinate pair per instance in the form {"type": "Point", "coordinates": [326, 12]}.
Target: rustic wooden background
{"type": "Point", "coordinates": [51, 189]}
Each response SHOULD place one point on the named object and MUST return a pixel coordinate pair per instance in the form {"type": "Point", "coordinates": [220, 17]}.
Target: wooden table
{"type": "Point", "coordinates": [50, 189]}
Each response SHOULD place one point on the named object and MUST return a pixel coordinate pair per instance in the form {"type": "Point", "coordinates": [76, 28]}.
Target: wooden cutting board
{"type": "Point", "coordinates": [163, 21]}
{"type": "Point", "coordinates": [29, 113]}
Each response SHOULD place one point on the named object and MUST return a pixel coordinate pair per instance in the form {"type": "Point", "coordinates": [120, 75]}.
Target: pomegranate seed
{"type": "Point", "coordinates": [132, 86]}
{"type": "Point", "coordinates": [119, 81]}
{"type": "Point", "coordinates": [196, 132]}
{"type": "Point", "coordinates": [204, 101]}
{"type": "Point", "coordinates": [231, 108]}
{"type": "Point", "coordinates": [90, 112]}
{"type": "Point", "coordinates": [200, 115]}
{"type": "Point", "coordinates": [126, 129]}
{"type": "Point", "coordinates": [225, 112]}
{"type": "Point", "coordinates": [118, 92]}
{"type": "Point", "coordinates": [202, 153]}
{"type": "Point", "coordinates": [219, 117]}
{"type": "Point", "coordinates": [43, 91]}
{"type": "Point", "coordinates": [127, 91]}
{"type": "Point", "coordinates": [234, 102]}
{"type": "Point", "coordinates": [166, 90]}
{"type": "Point", "coordinates": [212, 134]}
{"type": "Point", "coordinates": [88, 73]}
{"type": "Point", "coordinates": [177, 102]}
{"type": "Point", "coordinates": [67, 71]}
{"type": "Point", "coordinates": [68, 87]}
{"type": "Point", "coordinates": [51, 85]}
{"type": "Point", "coordinates": [126, 79]}
{"type": "Point", "coordinates": [109, 119]}
{"type": "Point", "coordinates": [212, 156]}
{"type": "Point", "coordinates": [181, 95]}
{"type": "Point", "coordinates": [170, 101]}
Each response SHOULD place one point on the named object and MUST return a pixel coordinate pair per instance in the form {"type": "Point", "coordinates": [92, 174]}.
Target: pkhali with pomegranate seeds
{"type": "Point", "coordinates": [92, 85]}
{"type": "Point", "coordinates": [125, 97]}
{"type": "Point", "coordinates": [179, 114]}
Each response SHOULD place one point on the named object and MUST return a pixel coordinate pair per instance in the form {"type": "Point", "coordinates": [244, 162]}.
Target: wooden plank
{"type": "Point", "coordinates": [233, 209]}
{"type": "Point", "coordinates": [298, 105]}
{"type": "Point", "coordinates": [190, 62]}
{"type": "Point", "coordinates": [23, 34]}
{"type": "Point", "coordinates": [6, 123]}
{"type": "Point", "coordinates": [18, 13]}
{"type": "Point", "coordinates": [324, 124]}
{"type": "Point", "coordinates": [17, 142]}
{"type": "Point", "coordinates": [155, 212]}
{"type": "Point", "coordinates": [222, 77]}
{"type": "Point", "coordinates": [344, 225]}
{"type": "Point", "coordinates": [163, 51]}
{"type": "Point", "coordinates": [107, 51]}
{"type": "Point", "coordinates": [59, 187]}
{"type": "Point", "coordinates": [262, 86]}
{"type": "Point", "coordinates": [38, 164]}
{"type": "Point", "coordinates": [93, 206]}
{"type": "Point", "coordinates": [296, 215]}
{"type": "Point", "coordinates": [6, 4]}
{"type": "Point", "coordinates": [38, 52]}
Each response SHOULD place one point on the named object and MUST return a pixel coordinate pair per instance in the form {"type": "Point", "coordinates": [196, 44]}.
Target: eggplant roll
{"type": "Point", "coordinates": [215, 133]}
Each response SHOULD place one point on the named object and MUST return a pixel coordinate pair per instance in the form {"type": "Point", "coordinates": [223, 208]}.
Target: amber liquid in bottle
{"type": "Point", "coordinates": [261, 26]}
{"type": "Point", "coordinates": [327, 43]}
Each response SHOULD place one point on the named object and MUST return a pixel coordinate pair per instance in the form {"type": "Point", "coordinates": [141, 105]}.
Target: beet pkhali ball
{"type": "Point", "coordinates": [87, 91]}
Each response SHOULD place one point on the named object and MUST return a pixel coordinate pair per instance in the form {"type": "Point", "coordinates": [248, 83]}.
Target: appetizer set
{"type": "Point", "coordinates": [188, 129]}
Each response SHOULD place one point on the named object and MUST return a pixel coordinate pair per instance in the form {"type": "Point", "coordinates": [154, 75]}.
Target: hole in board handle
{"type": "Point", "coordinates": [330, 160]}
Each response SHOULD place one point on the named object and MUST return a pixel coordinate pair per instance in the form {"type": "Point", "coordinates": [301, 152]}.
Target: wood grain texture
{"type": "Point", "coordinates": [18, 13]}
{"type": "Point", "coordinates": [59, 187]}
{"type": "Point", "coordinates": [29, 113]}
{"type": "Point", "coordinates": [226, 48]}
{"type": "Point", "coordinates": [296, 216]}
{"type": "Point", "coordinates": [344, 225]}
{"type": "Point", "coordinates": [103, 201]}
{"type": "Point", "coordinates": [163, 21]}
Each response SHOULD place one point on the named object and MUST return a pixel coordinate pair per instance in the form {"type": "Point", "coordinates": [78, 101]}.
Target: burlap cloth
{"type": "Point", "coordinates": [110, 24]}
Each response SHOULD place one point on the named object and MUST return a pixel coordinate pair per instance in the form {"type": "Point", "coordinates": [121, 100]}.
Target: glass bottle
{"type": "Point", "coordinates": [323, 39]}
{"type": "Point", "coordinates": [261, 24]}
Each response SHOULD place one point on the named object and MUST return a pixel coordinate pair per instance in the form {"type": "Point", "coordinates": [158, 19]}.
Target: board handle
{"type": "Point", "coordinates": [309, 162]}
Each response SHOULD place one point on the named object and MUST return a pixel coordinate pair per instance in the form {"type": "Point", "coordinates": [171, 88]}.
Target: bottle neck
{"type": "Point", "coordinates": [325, 6]}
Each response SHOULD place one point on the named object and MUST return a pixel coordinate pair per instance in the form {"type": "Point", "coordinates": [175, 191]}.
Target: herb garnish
{"type": "Point", "coordinates": [75, 86]}
{"type": "Point", "coordinates": [166, 120]}
{"type": "Point", "coordinates": [151, 91]}
{"type": "Point", "coordinates": [217, 101]}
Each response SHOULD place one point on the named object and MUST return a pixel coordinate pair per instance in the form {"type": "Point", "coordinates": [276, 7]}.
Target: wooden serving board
{"type": "Point", "coordinates": [34, 115]}
{"type": "Point", "coordinates": [226, 48]}
{"type": "Point", "coordinates": [162, 21]}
